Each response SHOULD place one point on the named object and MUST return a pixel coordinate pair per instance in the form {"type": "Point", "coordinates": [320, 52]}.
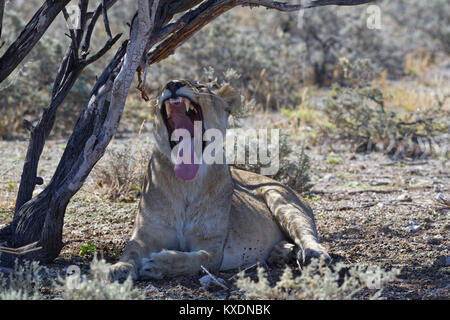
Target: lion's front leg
{"type": "Point", "coordinates": [129, 264]}
{"type": "Point", "coordinates": [207, 252]}
{"type": "Point", "coordinates": [173, 263]}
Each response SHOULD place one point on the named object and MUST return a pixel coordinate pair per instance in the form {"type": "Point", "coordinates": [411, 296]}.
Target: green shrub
{"type": "Point", "coordinates": [88, 248]}
{"type": "Point", "coordinates": [317, 282]}
{"type": "Point", "coordinates": [96, 285]}
{"type": "Point", "coordinates": [361, 117]}
{"type": "Point", "coordinates": [24, 283]}
{"type": "Point", "coordinates": [32, 281]}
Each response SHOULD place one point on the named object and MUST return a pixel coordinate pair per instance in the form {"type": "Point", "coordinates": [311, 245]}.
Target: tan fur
{"type": "Point", "coordinates": [222, 219]}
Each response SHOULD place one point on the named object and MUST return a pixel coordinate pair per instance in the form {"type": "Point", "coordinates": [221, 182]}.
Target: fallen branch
{"type": "Point", "coordinates": [214, 278]}
{"type": "Point", "coordinates": [443, 200]}
{"type": "Point", "coordinates": [245, 270]}
{"type": "Point", "coordinates": [373, 191]}
{"type": "Point", "coordinates": [32, 247]}
{"type": "Point", "coordinates": [408, 163]}
{"type": "Point", "coordinates": [346, 208]}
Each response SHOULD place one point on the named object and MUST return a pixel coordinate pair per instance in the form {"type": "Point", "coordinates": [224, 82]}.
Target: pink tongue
{"type": "Point", "coordinates": [186, 171]}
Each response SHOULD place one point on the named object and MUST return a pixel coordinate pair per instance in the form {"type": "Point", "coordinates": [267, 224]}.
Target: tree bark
{"type": "Point", "coordinates": [2, 9]}
{"type": "Point", "coordinates": [70, 68]}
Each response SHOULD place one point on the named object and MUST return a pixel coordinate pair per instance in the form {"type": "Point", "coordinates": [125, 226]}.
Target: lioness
{"type": "Point", "coordinates": [211, 215]}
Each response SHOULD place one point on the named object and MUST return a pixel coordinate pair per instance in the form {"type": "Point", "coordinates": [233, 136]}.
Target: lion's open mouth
{"type": "Point", "coordinates": [181, 113]}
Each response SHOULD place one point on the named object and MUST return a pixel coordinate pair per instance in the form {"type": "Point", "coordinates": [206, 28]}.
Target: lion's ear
{"type": "Point", "coordinates": [231, 97]}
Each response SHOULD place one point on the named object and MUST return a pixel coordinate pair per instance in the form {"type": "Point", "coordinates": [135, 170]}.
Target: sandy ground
{"type": "Point", "coordinates": [369, 211]}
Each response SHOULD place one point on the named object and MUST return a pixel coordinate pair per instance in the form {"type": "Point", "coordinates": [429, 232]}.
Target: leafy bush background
{"type": "Point", "coordinates": [275, 55]}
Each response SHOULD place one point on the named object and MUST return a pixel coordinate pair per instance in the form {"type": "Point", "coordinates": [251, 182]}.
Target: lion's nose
{"type": "Point", "coordinates": [173, 86]}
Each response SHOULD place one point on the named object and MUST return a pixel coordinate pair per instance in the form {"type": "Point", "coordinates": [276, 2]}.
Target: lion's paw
{"type": "Point", "coordinates": [150, 268]}
{"type": "Point", "coordinates": [304, 257]}
{"type": "Point", "coordinates": [121, 271]}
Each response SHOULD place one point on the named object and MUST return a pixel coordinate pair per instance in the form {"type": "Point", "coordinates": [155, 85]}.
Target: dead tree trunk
{"type": "Point", "coordinates": [72, 65]}
{"type": "Point", "coordinates": [39, 221]}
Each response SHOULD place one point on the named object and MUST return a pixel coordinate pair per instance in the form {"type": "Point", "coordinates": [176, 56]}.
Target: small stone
{"type": "Point", "coordinates": [151, 289]}
{"type": "Point", "coordinates": [404, 198]}
{"type": "Point", "coordinates": [434, 241]}
{"type": "Point", "coordinates": [414, 228]}
{"type": "Point", "coordinates": [386, 230]}
{"type": "Point", "coordinates": [208, 282]}
{"type": "Point", "coordinates": [329, 177]}
{"type": "Point", "coordinates": [437, 189]}
{"type": "Point", "coordinates": [379, 183]}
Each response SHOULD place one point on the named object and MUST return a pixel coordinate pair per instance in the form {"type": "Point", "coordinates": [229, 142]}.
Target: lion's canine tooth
{"type": "Point", "coordinates": [189, 105]}
{"type": "Point", "coordinates": [167, 109]}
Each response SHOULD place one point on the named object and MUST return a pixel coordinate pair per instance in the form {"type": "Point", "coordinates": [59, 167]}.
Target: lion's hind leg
{"type": "Point", "coordinates": [296, 220]}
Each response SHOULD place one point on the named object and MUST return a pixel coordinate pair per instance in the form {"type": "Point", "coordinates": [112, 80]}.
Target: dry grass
{"type": "Point", "coordinates": [418, 61]}
{"type": "Point", "coordinates": [119, 175]}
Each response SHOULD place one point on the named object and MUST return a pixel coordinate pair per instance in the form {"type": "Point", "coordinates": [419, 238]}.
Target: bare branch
{"type": "Point", "coordinates": [283, 6]}
{"type": "Point", "coordinates": [192, 21]}
{"type": "Point", "coordinates": [100, 116]}
{"type": "Point", "coordinates": [103, 50]}
{"type": "Point", "coordinates": [73, 36]}
{"type": "Point", "coordinates": [109, 4]}
{"type": "Point", "coordinates": [31, 34]}
{"type": "Point", "coordinates": [22, 250]}
{"type": "Point", "coordinates": [2, 9]}
{"type": "Point", "coordinates": [214, 278]}
{"type": "Point", "coordinates": [105, 19]}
